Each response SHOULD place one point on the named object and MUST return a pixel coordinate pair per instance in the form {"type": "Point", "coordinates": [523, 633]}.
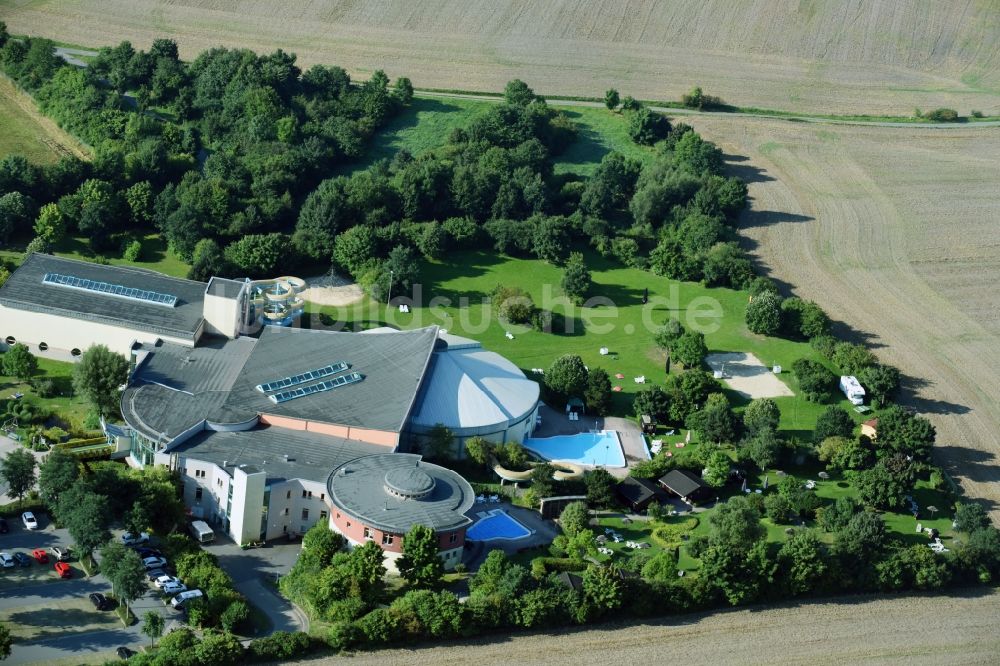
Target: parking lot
{"type": "Point", "coordinates": [51, 619]}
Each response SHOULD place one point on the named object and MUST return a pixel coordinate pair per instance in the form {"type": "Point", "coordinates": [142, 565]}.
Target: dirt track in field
{"type": "Point", "coordinates": [896, 233]}
{"type": "Point", "coordinates": [896, 630]}
{"type": "Point", "coordinates": [847, 57]}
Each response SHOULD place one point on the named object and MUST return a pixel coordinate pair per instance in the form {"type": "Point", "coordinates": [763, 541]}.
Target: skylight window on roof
{"type": "Point", "coordinates": [120, 291]}
{"type": "Point", "coordinates": [328, 385]}
{"type": "Point", "coordinates": [311, 375]}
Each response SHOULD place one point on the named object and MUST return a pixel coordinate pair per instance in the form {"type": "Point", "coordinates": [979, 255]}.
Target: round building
{"type": "Point", "coordinates": [380, 497]}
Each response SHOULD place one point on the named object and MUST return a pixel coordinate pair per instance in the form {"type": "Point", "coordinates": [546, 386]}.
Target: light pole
{"type": "Point", "coordinates": [389, 296]}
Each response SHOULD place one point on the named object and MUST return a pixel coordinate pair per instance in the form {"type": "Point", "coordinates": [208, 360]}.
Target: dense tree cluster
{"type": "Point", "coordinates": [224, 147]}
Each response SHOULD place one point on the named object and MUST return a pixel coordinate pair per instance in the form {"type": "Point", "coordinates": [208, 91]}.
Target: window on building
{"type": "Point", "coordinates": [286, 510]}
{"type": "Point", "coordinates": [368, 533]}
{"type": "Point", "coordinates": [288, 495]}
{"type": "Point", "coordinates": [453, 537]}
{"type": "Point", "coordinates": [322, 515]}
{"type": "Point", "coordinates": [305, 514]}
{"type": "Point", "coordinates": [303, 494]}
{"type": "Point", "coordinates": [387, 539]}
{"type": "Point", "coordinates": [322, 496]}
{"type": "Point", "coordinates": [348, 524]}
{"type": "Point", "coordinates": [197, 494]}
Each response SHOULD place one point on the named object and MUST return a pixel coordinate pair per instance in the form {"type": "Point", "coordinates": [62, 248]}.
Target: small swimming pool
{"type": "Point", "coordinates": [497, 525]}
{"type": "Point", "coordinates": [600, 448]}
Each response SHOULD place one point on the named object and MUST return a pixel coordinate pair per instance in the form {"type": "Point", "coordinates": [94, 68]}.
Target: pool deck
{"type": "Point", "coordinates": [556, 423]}
{"type": "Point", "coordinates": [542, 533]}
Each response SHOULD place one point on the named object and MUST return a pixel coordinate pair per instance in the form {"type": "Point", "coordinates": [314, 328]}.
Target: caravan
{"type": "Point", "coordinates": [852, 389]}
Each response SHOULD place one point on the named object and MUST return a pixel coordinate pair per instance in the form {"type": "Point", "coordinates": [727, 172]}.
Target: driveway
{"type": "Point", "coordinates": [255, 572]}
{"type": "Point", "coordinates": [42, 604]}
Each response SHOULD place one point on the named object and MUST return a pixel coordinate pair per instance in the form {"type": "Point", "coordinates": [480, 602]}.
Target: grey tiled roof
{"type": "Point", "coordinates": [358, 488]}
{"type": "Point", "coordinates": [310, 456]}
{"type": "Point", "coordinates": [24, 290]}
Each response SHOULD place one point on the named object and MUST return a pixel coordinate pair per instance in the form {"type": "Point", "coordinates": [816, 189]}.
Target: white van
{"type": "Point", "coordinates": [202, 532]}
{"type": "Point", "coordinates": [852, 388]}
{"type": "Point", "coordinates": [184, 597]}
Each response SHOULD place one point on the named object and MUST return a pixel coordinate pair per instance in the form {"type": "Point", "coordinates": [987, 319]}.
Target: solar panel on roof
{"type": "Point", "coordinates": [328, 385]}
{"type": "Point", "coordinates": [295, 380]}
{"type": "Point", "coordinates": [118, 290]}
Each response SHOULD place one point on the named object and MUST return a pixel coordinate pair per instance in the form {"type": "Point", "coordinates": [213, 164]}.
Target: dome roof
{"type": "Point", "coordinates": [469, 387]}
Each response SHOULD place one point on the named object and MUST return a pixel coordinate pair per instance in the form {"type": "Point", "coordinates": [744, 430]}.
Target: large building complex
{"type": "Point", "coordinates": [271, 427]}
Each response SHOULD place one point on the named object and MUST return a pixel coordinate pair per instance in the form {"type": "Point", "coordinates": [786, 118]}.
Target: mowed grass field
{"type": "Point", "coordinates": [429, 120]}
{"type": "Point", "coordinates": [24, 131]}
{"type": "Point", "coordinates": [822, 56]}
{"type": "Point", "coordinates": [894, 231]}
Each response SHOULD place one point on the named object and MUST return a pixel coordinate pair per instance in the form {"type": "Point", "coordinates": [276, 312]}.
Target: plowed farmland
{"type": "Point", "coordinates": [804, 55]}
{"type": "Point", "coordinates": [896, 232]}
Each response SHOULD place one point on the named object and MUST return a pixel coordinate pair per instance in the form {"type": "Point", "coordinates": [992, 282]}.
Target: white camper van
{"type": "Point", "coordinates": [852, 389]}
{"type": "Point", "coordinates": [202, 532]}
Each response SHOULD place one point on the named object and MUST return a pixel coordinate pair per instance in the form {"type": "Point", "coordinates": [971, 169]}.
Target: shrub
{"type": "Point", "coordinates": [132, 251]}
{"type": "Point", "coordinates": [941, 115]}
{"type": "Point", "coordinates": [280, 646]}
{"type": "Point", "coordinates": [763, 314]}
{"type": "Point", "coordinates": [513, 305]}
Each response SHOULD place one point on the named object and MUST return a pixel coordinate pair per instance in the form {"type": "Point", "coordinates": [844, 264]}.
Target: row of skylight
{"type": "Point", "coordinates": [336, 382]}
{"type": "Point", "coordinates": [309, 376]}
{"type": "Point", "coordinates": [110, 289]}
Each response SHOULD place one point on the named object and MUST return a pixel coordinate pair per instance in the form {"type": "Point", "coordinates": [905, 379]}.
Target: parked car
{"type": "Point", "coordinates": [3, 526]}
{"type": "Point", "coordinates": [124, 653]}
{"type": "Point", "coordinates": [153, 574]}
{"type": "Point", "coordinates": [154, 562]}
{"type": "Point", "coordinates": [174, 588]}
{"type": "Point", "coordinates": [6, 560]}
{"type": "Point", "coordinates": [165, 579]}
{"type": "Point", "coordinates": [63, 570]}
{"type": "Point", "coordinates": [40, 555]}
{"type": "Point", "coordinates": [184, 597]}
{"type": "Point", "coordinates": [22, 559]}
{"type": "Point", "coordinates": [148, 552]}
{"type": "Point", "coordinates": [29, 520]}
{"type": "Point", "coordinates": [101, 602]}
{"type": "Point", "coordinates": [61, 553]}
{"type": "Point", "coordinates": [130, 539]}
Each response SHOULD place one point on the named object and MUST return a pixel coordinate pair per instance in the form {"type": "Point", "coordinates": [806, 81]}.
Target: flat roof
{"type": "Point", "coordinates": [311, 456]}
{"type": "Point", "coordinates": [224, 287]}
{"type": "Point", "coordinates": [24, 290]}
{"type": "Point", "coordinates": [359, 489]}
{"type": "Point", "coordinates": [392, 367]}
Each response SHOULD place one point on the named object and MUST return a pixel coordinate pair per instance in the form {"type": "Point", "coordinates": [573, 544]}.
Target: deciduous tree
{"type": "Point", "coordinates": [98, 376]}
{"type": "Point", "coordinates": [420, 564]}
{"type": "Point", "coordinates": [17, 469]}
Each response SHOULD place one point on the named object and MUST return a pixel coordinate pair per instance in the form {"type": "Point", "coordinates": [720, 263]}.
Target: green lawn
{"type": "Point", "coordinates": [624, 325]}
{"type": "Point", "coordinates": [65, 407]}
{"type": "Point", "coordinates": [56, 618]}
{"type": "Point", "coordinates": [426, 124]}
{"type": "Point", "coordinates": [155, 255]}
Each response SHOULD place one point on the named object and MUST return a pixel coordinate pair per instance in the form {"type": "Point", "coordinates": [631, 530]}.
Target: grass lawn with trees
{"type": "Point", "coordinates": [473, 275]}
{"type": "Point", "coordinates": [66, 406]}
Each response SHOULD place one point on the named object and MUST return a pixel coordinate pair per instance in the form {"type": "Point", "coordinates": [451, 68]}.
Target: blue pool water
{"type": "Point", "coordinates": [498, 525]}
{"type": "Point", "coordinates": [585, 448]}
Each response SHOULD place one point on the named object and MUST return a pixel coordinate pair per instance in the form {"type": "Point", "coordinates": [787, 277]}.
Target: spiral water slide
{"type": "Point", "coordinates": [278, 299]}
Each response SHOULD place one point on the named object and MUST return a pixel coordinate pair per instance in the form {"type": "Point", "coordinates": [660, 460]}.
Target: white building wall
{"type": "Point", "coordinates": [222, 315]}
{"type": "Point", "coordinates": [65, 334]}
{"type": "Point", "coordinates": [288, 501]}
{"type": "Point", "coordinates": [247, 505]}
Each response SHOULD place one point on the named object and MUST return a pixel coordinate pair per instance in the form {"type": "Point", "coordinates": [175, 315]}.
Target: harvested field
{"type": "Point", "coordinates": [825, 57]}
{"type": "Point", "coordinates": [958, 629]}
{"type": "Point", "coordinates": [745, 374]}
{"type": "Point", "coordinates": [27, 132]}
{"type": "Point", "coordinates": [895, 233]}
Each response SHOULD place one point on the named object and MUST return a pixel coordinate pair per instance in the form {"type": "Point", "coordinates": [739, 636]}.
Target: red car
{"type": "Point", "coordinates": [40, 555]}
{"type": "Point", "coordinates": [63, 570]}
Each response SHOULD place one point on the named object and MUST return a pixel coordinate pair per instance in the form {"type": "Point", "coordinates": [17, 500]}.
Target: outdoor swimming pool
{"type": "Point", "coordinates": [586, 448]}
{"type": "Point", "coordinates": [497, 525]}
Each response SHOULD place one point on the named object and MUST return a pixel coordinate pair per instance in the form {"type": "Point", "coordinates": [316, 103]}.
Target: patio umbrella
{"type": "Point", "coordinates": [933, 510]}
